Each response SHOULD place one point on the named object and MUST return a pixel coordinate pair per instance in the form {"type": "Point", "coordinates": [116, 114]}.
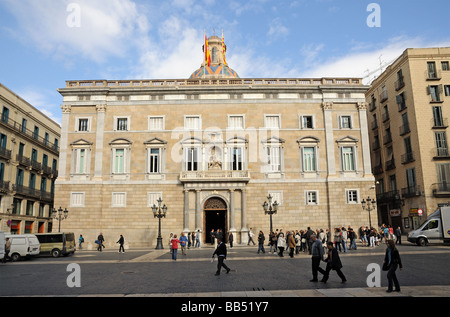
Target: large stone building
{"type": "Point", "coordinates": [213, 147]}
{"type": "Point", "coordinates": [408, 115]}
{"type": "Point", "coordinates": [28, 165]}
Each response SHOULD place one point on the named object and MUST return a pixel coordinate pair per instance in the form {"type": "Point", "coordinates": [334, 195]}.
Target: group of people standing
{"type": "Point", "coordinates": [372, 237]}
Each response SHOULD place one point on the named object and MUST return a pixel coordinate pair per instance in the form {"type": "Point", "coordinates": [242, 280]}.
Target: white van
{"type": "Point", "coordinates": [23, 245]}
{"type": "Point", "coordinates": [2, 245]}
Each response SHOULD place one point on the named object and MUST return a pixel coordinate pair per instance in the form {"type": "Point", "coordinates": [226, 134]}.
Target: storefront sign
{"type": "Point", "coordinates": [395, 212]}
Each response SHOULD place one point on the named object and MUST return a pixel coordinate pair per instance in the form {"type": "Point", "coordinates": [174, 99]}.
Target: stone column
{"type": "Point", "coordinates": [186, 211]}
{"type": "Point", "coordinates": [101, 109]}
{"type": "Point", "coordinates": [232, 212]}
{"type": "Point", "coordinates": [362, 106]}
{"type": "Point", "coordinates": [198, 211]}
{"type": "Point", "coordinates": [328, 121]}
{"type": "Point", "coordinates": [64, 142]}
{"type": "Point", "coordinates": [244, 230]}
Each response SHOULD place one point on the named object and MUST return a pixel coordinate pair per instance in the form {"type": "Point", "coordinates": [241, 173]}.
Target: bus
{"type": "Point", "coordinates": [57, 244]}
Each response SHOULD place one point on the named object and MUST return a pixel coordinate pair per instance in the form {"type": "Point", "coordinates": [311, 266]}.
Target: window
{"type": "Point", "coordinates": [152, 199]}
{"type": "Point", "coordinates": [274, 159]}
{"type": "Point", "coordinates": [119, 161]}
{"type": "Point", "coordinates": [154, 161]}
{"type": "Point", "coordinates": [5, 114]}
{"type": "Point", "coordinates": [432, 73]}
{"type": "Point", "coordinates": [277, 196]}
{"type": "Point", "coordinates": [272, 121]}
{"type": "Point", "coordinates": [156, 123]}
{"type": "Point", "coordinates": [83, 125]}
{"type": "Point", "coordinates": [441, 143]}
{"type": "Point", "coordinates": [19, 177]}
{"type": "Point", "coordinates": [236, 122]}
{"type": "Point", "coordinates": [23, 128]}
{"type": "Point", "coordinates": [443, 173]}
{"type": "Point", "coordinates": [36, 133]}
{"type": "Point", "coordinates": [121, 124]}
{"type": "Point", "coordinates": [121, 152]}
{"type": "Point", "coordinates": [352, 196]}
{"type": "Point", "coordinates": [237, 159]}
{"type": "Point", "coordinates": [80, 156]}
{"type": "Point", "coordinates": [401, 101]}
{"type": "Point", "coordinates": [348, 158]}
{"type": "Point", "coordinates": [191, 159]}
{"type": "Point", "coordinates": [447, 90]}
{"type": "Point", "coordinates": [309, 159]}
{"type": "Point", "coordinates": [306, 122]}
{"type": "Point", "coordinates": [77, 199]}
{"type": "Point", "coordinates": [345, 122]}
{"type": "Point", "coordinates": [119, 200]}
{"type": "Point", "coordinates": [445, 66]}
{"type": "Point", "coordinates": [311, 197]}
{"type": "Point", "coordinates": [192, 122]}
{"type": "Point", "coordinates": [438, 118]}
{"type": "Point", "coordinates": [435, 93]}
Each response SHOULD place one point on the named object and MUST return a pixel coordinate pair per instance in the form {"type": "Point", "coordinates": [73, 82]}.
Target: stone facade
{"type": "Point", "coordinates": [28, 165]}
{"type": "Point", "coordinates": [213, 147]}
{"type": "Point", "coordinates": [408, 120]}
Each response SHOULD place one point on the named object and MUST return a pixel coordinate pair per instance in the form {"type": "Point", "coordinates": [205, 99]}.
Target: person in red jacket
{"type": "Point", "coordinates": [174, 243]}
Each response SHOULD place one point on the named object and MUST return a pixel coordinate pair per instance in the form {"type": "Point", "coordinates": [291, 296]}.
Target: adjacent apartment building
{"type": "Point", "coordinates": [409, 107]}
{"type": "Point", "coordinates": [213, 147]}
{"type": "Point", "coordinates": [29, 150]}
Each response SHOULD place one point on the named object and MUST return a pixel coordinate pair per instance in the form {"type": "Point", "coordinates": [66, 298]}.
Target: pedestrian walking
{"type": "Point", "coordinates": [250, 237]}
{"type": "Point", "coordinates": [273, 242]}
{"type": "Point", "coordinates": [291, 244]}
{"type": "Point", "coordinates": [230, 239]}
{"type": "Point", "coordinates": [316, 257]}
{"type": "Point", "coordinates": [121, 241]}
{"type": "Point", "coordinates": [7, 249]}
{"type": "Point", "coordinates": [100, 240]}
{"type": "Point", "coordinates": [333, 263]}
{"type": "Point", "coordinates": [80, 241]}
{"type": "Point", "coordinates": [261, 239]}
{"type": "Point", "coordinates": [392, 261]}
{"type": "Point", "coordinates": [344, 237]}
{"type": "Point", "coordinates": [170, 242]}
{"type": "Point", "coordinates": [281, 243]}
{"type": "Point", "coordinates": [398, 234]}
{"type": "Point", "coordinates": [309, 241]}
{"type": "Point", "coordinates": [174, 242]}
{"type": "Point", "coordinates": [197, 239]}
{"type": "Point", "coordinates": [221, 252]}
{"type": "Point", "coordinates": [183, 242]}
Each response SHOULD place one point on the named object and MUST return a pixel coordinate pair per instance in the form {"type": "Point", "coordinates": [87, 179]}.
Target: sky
{"type": "Point", "coordinates": [46, 42]}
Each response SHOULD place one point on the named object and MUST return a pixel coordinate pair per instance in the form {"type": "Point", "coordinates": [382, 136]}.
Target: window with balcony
{"type": "Point", "coordinates": [432, 71]}
{"type": "Point", "coordinates": [435, 92]}
{"type": "Point", "coordinates": [441, 144]}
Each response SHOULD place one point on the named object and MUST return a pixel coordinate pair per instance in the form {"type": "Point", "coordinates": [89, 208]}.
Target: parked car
{"type": "Point", "coordinates": [23, 246]}
{"type": "Point", "coordinates": [57, 243]}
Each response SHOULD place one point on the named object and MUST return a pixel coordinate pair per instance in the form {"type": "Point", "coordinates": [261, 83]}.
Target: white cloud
{"type": "Point", "coordinates": [107, 28]}
{"type": "Point", "coordinates": [277, 29]}
{"type": "Point", "coordinates": [41, 101]}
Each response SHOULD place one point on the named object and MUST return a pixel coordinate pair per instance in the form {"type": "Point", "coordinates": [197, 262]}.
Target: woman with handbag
{"type": "Point", "coordinates": [391, 262]}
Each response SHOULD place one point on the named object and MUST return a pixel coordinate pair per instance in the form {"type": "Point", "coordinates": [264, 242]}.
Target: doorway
{"type": "Point", "coordinates": [215, 211]}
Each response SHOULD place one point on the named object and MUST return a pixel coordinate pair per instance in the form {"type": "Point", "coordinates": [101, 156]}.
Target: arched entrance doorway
{"type": "Point", "coordinates": [215, 211]}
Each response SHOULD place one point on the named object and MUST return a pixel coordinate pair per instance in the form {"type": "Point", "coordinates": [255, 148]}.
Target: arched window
{"type": "Point", "coordinates": [215, 55]}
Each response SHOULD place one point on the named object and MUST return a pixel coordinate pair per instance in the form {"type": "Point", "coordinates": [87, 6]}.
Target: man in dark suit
{"type": "Point", "coordinates": [221, 252]}
{"type": "Point", "coordinates": [333, 263]}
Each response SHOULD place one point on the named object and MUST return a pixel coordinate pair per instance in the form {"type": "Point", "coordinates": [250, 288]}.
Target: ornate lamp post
{"type": "Point", "coordinates": [60, 214]}
{"type": "Point", "coordinates": [159, 212]}
{"type": "Point", "coordinates": [270, 209]}
{"type": "Point", "coordinates": [369, 205]}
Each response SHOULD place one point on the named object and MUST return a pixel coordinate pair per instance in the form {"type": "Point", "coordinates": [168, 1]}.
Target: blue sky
{"type": "Point", "coordinates": [133, 39]}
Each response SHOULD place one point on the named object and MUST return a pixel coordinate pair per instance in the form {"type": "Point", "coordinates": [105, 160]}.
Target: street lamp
{"type": "Point", "coordinates": [369, 205]}
{"type": "Point", "coordinates": [60, 214]}
{"type": "Point", "coordinates": [159, 212]}
{"type": "Point", "coordinates": [270, 209]}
